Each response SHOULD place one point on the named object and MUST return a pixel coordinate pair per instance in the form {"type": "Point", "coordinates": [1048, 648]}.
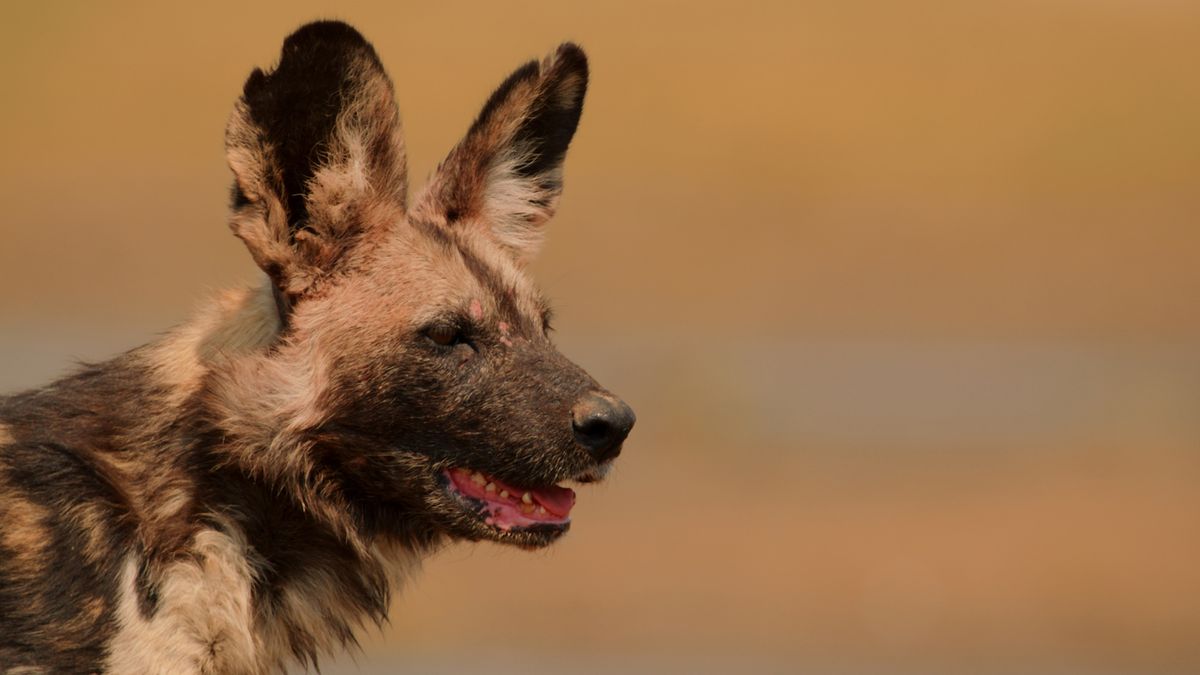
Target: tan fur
{"type": "Point", "coordinates": [23, 531]}
{"type": "Point", "coordinates": [90, 518]}
{"type": "Point", "coordinates": [262, 224]}
{"type": "Point", "coordinates": [296, 373]}
{"type": "Point", "coordinates": [231, 325]}
{"type": "Point", "coordinates": [91, 611]}
{"type": "Point", "coordinates": [350, 172]}
{"type": "Point", "coordinates": [504, 266]}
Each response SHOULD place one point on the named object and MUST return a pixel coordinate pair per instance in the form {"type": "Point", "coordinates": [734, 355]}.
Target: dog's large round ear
{"type": "Point", "coordinates": [505, 176]}
{"type": "Point", "coordinates": [317, 153]}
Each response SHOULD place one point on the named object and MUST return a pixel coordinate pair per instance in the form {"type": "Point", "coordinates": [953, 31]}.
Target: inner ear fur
{"type": "Point", "coordinates": [317, 150]}
{"type": "Point", "coordinates": [506, 173]}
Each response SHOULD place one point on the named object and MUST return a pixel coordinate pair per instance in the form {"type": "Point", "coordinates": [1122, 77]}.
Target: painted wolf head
{"type": "Point", "coordinates": [414, 382]}
{"type": "Point", "coordinates": [251, 486]}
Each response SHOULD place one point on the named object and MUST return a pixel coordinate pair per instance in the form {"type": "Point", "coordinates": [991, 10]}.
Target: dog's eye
{"type": "Point", "coordinates": [444, 335]}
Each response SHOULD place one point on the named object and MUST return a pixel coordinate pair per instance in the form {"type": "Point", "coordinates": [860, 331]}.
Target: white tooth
{"type": "Point", "coordinates": [504, 494]}
{"type": "Point", "coordinates": [541, 510]}
{"type": "Point", "coordinates": [526, 508]}
{"type": "Point", "coordinates": [490, 487]}
{"type": "Point", "coordinates": [527, 498]}
{"type": "Point", "coordinates": [477, 478]}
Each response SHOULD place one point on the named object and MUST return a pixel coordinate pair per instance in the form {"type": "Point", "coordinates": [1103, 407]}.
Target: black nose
{"type": "Point", "coordinates": [601, 424]}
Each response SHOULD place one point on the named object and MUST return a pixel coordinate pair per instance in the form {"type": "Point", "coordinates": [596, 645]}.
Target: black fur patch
{"type": "Point", "coordinates": [549, 127]}
{"type": "Point", "coordinates": [296, 105]}
{"type": "Point", "coordinates": [502, 295]}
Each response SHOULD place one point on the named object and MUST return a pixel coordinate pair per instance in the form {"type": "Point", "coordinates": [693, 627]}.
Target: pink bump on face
{"type": "Point", "coordinates": [476, 310]}
{"type": "Point", "coordinates": [503, 325]}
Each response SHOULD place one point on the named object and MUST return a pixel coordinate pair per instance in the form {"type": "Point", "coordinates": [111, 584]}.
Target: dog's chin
{"type": "Point", "coordinates": [477, 506]}
{"type": "Point", "coordinates": [530, 538]}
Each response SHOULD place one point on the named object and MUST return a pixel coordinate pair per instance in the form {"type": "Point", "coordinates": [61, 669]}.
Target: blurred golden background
{"type": "Point", "coordinates": [905, 296]}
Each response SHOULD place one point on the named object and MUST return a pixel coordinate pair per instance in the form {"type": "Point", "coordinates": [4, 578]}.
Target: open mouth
{"type": "Point", "coordinates": [506, 507]}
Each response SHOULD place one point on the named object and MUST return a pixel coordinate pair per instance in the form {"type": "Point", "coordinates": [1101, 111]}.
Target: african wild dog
{"type": "Point", "coordinates": [250, 488]}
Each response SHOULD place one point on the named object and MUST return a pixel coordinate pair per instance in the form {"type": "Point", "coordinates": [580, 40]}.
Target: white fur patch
{"type": "Point", "coordinates": [514, 208]}
{"type": "Point", "coordinates": [204, 622]}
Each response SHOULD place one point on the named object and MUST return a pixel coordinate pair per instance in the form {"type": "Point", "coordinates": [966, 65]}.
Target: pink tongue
{"type": "Point", "coordinates": [557, 500]}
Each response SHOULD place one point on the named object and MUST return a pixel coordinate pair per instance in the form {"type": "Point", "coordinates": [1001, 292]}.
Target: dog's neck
{"type": "Point", "coordinates": [229, 404]}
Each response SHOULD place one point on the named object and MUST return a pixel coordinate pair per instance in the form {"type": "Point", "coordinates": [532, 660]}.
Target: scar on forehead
{"type": "Point", "coordinates": [476, 310]}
